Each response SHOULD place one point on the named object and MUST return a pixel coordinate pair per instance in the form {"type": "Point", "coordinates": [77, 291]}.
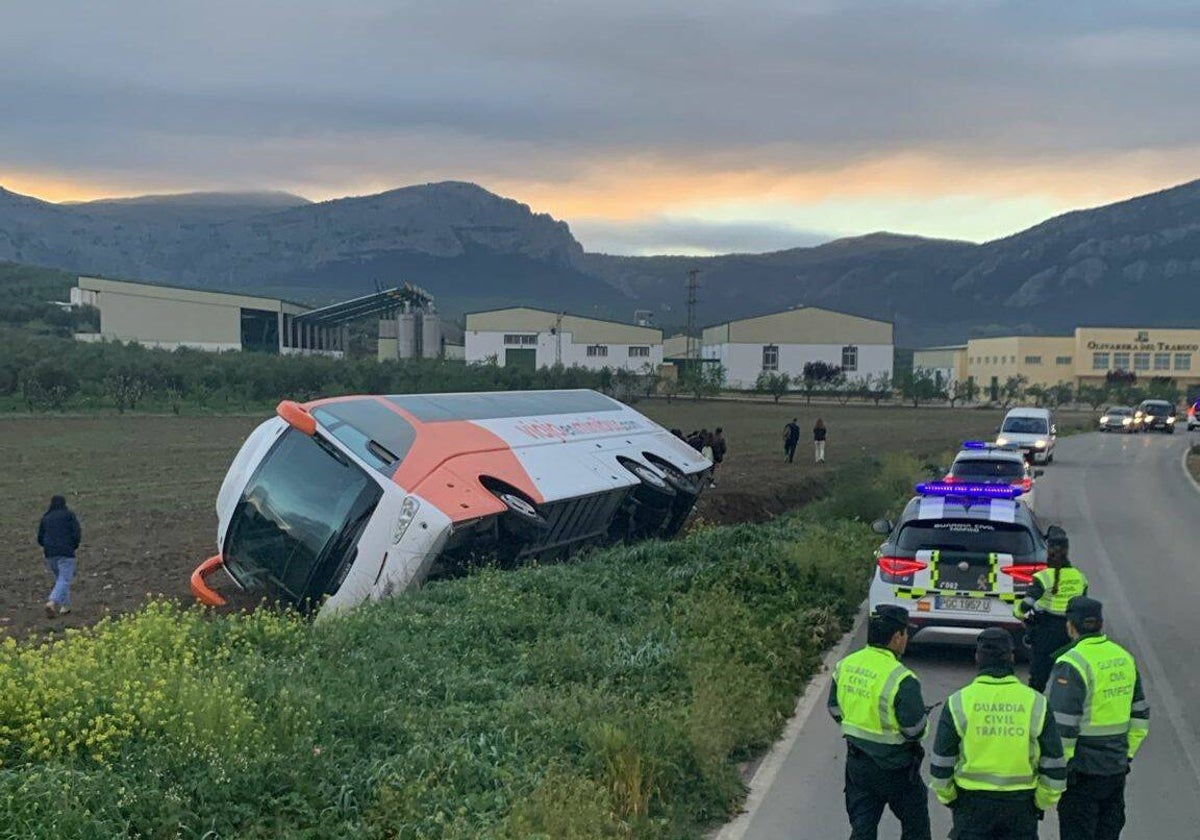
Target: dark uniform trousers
{"type": "Point", "coordinates": [1047, 635]}
{"type": "Point", "coordinates": [1092, 808]}
{"type": "Point", "coordinates": [869, 788]}
{"type": "Point", "coordinates": [980, 816]}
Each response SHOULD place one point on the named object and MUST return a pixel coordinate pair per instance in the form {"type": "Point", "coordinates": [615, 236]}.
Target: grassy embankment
{"type": "Point", "coordinates": [611, 697]}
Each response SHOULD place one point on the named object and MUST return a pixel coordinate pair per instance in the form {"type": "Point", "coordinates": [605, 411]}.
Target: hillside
{"type": "Point", "coordinates": [1136, 261]}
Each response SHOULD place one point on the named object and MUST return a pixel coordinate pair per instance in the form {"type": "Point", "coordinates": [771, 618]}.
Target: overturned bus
{"type": "Point", "coordinates": [345, 500]}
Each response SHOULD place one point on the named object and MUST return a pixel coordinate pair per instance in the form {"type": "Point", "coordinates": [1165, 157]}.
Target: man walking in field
{"type": "Point", "coordinates": [791, 438]}
{"type": "Point", "coordinates": [59, 535]}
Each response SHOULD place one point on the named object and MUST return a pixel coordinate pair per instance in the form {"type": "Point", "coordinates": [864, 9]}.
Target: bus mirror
{"type": "Point", "coordinates": [297, 417]}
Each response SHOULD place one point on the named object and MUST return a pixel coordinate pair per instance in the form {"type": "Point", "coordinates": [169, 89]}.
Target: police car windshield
{"type": "Point", "coordinates": [1025, 425]}
{"type": "Point", "coordinates": [966, 535]}
{"type": "Point", "coordinates": [984, 469]}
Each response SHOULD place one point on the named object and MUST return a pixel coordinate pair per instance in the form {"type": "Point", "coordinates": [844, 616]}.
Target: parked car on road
{"type": "Point", "coordinates": [985, 463]}
{"type": "Point", "coordinates": [958, 559]}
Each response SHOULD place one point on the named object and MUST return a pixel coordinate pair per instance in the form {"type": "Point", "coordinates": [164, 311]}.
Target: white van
{"type": "Point", "coordinates": [1030, 429]}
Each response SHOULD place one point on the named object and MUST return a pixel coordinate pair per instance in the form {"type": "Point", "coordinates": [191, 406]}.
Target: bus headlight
{"type": "Point", "coordinates": [408, 512]}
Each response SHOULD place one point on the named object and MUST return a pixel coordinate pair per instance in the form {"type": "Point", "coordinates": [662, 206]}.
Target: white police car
{"type": "Point", "coordinates": [980, 462]}
{"type": "Point", "coordinates": [959, 558]}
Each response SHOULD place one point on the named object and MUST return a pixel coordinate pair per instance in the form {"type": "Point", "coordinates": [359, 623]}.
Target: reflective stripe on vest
{"type": "Point", "coordinates": [998, 722]}
{"type": "Point", "coordinates": [1071, 582]}
{"type": "Point", "coordinates": [867, 683]}
{"type": "Point", "coordinates": [1110, 675]}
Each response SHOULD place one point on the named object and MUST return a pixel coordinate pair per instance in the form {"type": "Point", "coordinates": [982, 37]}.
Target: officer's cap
{"type": "Point", "coordinates": [890, 616]}
{"type": "Point", "coordinates": [1056, 537]}
{"type": "Point", "coordinates": [1087, 614]}
{"type": "Point", "coordinates": [994, 642]}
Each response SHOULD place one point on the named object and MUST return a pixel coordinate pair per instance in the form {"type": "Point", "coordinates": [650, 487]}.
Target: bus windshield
{"type": "Point", "coordinates": [295, 529]}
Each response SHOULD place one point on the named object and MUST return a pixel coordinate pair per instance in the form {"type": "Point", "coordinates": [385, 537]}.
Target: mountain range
{"type": "Point", "coordinates": [1136, 262]}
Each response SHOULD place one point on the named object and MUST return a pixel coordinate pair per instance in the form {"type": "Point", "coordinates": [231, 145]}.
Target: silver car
{"type": "Point", "coordinates": [1118, 418]}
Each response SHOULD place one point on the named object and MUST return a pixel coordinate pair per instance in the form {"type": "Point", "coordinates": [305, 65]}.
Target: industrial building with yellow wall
{"type": "Point", "coordinates": [1086, 357]}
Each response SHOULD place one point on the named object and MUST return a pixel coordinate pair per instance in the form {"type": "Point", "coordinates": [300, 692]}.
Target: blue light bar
{"type": "Point", "coordinates": [974, 444]}
{"type": "Point", "coordinates": [969, 491]}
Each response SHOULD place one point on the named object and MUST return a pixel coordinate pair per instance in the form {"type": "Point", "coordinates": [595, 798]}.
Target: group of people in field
{"type": "Point", "coordinates": [711, 445]}
{"type": "Point", "coordinates": [791, 439]}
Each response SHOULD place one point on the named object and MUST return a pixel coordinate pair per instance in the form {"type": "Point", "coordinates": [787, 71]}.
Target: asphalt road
{"type": "Point", "coordinates": [1134, 523]}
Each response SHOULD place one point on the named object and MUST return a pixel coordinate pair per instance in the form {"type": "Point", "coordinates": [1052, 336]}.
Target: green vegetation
{"type": "Point", "coordinates": [607, 698]}
{"type": "Point", "coordinates": [27, 295]}
{"type": "Point", "coordinates": [51, 373]}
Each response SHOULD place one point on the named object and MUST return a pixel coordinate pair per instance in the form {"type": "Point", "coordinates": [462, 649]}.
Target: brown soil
{"type": "Point", "coordinates": [144, 489]}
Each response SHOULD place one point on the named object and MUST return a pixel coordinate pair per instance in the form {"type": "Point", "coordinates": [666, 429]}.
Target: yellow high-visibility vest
{"type": "Point", "coordinates": [867, 683]}
{"type": "Point", "coordinates": [998, 720]}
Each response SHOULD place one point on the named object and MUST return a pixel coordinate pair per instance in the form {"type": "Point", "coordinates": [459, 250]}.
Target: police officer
{"type": "Point", "coordinates": [1044, 607]}
{"type": "Point", "coordinates": [997, 757]}
{"type": "Point", "coordinates": [878, 703]}
{"type": "Point", "coordinates": [1097, 700]}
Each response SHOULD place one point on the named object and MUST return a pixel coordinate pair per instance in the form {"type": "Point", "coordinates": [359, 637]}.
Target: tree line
{"type": "Point", "coordinates": [49, 373]}
{"type": "Point", "coordinates": [922, 386]}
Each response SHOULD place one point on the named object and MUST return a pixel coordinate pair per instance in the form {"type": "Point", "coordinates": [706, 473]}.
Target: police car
{"type": "Point", "coordinates": [986, 463]}
{"type": "Point", "coordinates": [959, 558]}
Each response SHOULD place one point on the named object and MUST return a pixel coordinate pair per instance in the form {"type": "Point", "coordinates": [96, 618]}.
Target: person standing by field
{"type": "Point", "coordinates": [718, 453]}
{"type": "Point", "coordinates": [791, 438]}
{"type": "Point", "coordinates": [59, 535]}
{"type": "Point", "coordinates": [819, 440]}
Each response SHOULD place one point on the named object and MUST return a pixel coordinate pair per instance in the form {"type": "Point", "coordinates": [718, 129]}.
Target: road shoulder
{"type": "Point", "coordinates": [814, 694]}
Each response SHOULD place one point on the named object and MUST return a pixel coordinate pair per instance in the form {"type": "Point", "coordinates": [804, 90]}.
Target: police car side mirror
{"type": "Point", "coordinates": [882, 526]}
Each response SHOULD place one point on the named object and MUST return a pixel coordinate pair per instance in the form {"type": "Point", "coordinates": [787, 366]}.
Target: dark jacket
{"type": "Point", "coordinates": [818, 433]}
{"type": "Point", "coordinates": [718, 448]}
{"type": "Point", "coordinates": [791, 433]}
{"type": "Point", "coordinates": [59, 532]}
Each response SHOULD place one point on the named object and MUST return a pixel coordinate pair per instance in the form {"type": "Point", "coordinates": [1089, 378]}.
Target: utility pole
{"type": "Point", "coordinates": [693, 341]}
{"type": "Point", "coordinates": [558, 339]}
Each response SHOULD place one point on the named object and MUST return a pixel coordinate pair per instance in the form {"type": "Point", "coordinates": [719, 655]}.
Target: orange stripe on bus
{"type": "Point", "coordinates": [438, 469]}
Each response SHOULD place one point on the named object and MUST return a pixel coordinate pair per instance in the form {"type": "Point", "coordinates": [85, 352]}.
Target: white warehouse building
{"type": "Point", "coordinates": [785, 341]}
{"type": "Point", "coordinates": [537, 338]}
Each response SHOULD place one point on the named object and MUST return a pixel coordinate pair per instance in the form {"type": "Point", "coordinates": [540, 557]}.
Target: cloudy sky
{"type": "Point", "coordinates": [657, 125]}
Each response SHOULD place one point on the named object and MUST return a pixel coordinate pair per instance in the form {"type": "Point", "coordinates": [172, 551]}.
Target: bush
{"type": "Point", "coordinates": [608, 698]}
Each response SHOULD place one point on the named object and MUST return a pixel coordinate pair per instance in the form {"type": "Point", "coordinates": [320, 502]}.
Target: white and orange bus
{"type": "Point", "coordinates": [339, 501]}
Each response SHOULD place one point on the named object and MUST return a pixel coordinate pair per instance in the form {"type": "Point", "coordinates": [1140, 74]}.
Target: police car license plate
{"type": "Point", "coordinates": [964, 604]}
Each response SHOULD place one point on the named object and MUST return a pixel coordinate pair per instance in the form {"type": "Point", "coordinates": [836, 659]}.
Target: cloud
{"type": "Point", "coordinates": [620, 110]}
{"type": "Point", "coordinates": [692, 237]}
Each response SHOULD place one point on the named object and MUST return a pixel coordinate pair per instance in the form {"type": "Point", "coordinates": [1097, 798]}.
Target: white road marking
{"type": "Point", "coordinates": [1186, 472]}
{"type": "Point", "coordinates": [814, 694]}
